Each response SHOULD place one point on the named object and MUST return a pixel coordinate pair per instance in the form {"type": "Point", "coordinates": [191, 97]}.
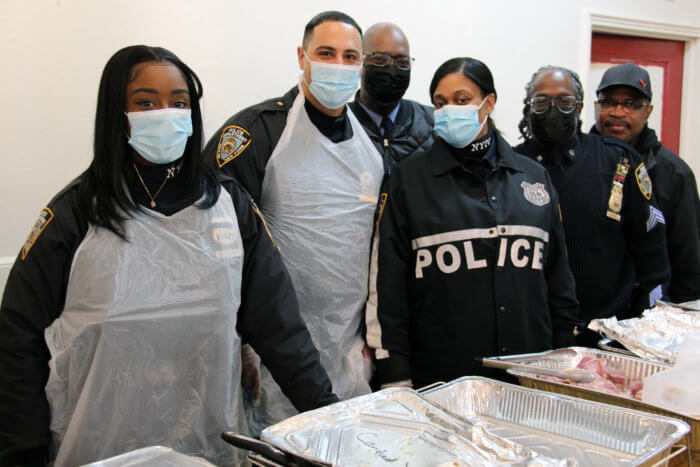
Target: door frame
{"type": "Point", "coordinates": [690, 98]}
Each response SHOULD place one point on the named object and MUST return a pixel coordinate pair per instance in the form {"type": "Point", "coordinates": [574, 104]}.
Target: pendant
{"type": "Point", "coordinates": [153, 204]}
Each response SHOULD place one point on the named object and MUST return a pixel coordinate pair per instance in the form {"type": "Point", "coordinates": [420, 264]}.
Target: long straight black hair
{"type": "Point", "coordinates": [103, 195]}
{"type": "Point", "coordinates": [472, 68]}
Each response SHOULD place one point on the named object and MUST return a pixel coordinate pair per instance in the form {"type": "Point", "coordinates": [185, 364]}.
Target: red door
{"type": "Point", "coordinates": [665, 55]}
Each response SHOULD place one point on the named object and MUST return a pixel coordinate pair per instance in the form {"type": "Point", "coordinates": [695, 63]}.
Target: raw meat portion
{"type": "Point", "coordinates": [608, 380]}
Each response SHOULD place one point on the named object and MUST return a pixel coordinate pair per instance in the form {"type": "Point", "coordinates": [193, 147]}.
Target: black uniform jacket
{"type": "Point", "coordinates": [244, 144]}
{"type": "Point", "coordinates": [412, 131]}
{"type": "Point", "coordinates": [617, 262]}
{"type": "Point", "coordinates": [34, 297]}
{"type": "Point", "coordinates": [467, 267]}
{"type": "Point", "coordinates": [676, 192]}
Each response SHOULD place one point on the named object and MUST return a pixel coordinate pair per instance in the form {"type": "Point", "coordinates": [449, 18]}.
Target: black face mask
{"type": "Point", "coordinates": [386, 85]}
{"type": "Point", "coordinates": [554, 129]}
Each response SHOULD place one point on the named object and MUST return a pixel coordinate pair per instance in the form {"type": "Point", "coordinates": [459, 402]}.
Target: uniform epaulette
{"type": "Point", "coordinates": [235, 135]}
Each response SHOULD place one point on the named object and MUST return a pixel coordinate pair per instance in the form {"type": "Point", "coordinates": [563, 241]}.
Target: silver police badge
{"type": "Point", "coordinates": [535, 193]}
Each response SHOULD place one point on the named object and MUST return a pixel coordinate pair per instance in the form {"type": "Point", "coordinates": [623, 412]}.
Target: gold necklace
{"type": "Point", "coordinates": [153, 198]}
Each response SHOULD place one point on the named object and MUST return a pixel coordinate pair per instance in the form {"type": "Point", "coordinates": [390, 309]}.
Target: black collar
{"type": "Point", "coordinates": [443, 161]}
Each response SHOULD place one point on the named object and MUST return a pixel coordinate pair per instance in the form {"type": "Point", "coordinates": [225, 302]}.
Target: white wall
{"type": "Point", "coordinates": [52, 53]}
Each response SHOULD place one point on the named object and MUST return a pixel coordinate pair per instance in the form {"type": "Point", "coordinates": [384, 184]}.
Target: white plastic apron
{"type": "Point", "coordinates": [146, 350]}
{"type": "Point", "coordinates": [319, 198]}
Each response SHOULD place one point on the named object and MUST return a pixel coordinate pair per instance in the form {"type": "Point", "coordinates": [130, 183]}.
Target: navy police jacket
{"type": "Point", "coordinates": [615, 233]}
{"type": "Point", "coordinates": [466, 266]}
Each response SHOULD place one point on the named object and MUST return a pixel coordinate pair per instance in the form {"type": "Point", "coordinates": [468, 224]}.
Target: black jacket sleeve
{"type": "Point", "coordinates": [681, 209]}
{"type": "Point", "coordinates": [387, 314]}
{"type": "Point", "coordinates": [33, 299]}
{"type": "Point", "coordinates": [646, 239]}
{"type": "Point", "coordinates": [269, 317]}
{"type": "Point", "coordinates": [561, 289]}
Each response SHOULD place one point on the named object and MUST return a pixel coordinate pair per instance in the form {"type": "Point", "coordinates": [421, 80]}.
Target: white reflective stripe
{"type": "Point", "coordinates": [471, 234]}
{"type": "Point", "coordinates": [374, 330]}
{"type": "Point", "coordinates": [527, 230]}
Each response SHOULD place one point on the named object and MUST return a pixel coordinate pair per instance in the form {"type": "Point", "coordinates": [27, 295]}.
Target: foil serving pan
{"type": "Point", "coordinates": [631, 367]}
{"type": "Point", "coordinates": [656, 335]}
{"type": "Point", "coordinates": [397, 426]}
{"type": "Point", "coordinates": [590, 433]}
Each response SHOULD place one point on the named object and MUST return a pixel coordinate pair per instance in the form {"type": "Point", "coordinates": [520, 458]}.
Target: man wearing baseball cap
{"type": "Point", "coordinates": [622, 111]}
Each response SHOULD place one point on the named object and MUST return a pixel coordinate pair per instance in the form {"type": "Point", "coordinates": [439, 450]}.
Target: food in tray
{"type": "Point", "coordinates": [608, 379]}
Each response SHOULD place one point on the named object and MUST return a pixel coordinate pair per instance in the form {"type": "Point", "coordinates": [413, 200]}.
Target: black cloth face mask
{"type": "Point", "coordinates": [386, 85]}
{"type": "Point", "coordinates": [553, 129]}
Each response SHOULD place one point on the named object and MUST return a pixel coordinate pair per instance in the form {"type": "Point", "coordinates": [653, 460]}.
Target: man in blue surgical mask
{"type": "Point", "coordinates": [315, 174]}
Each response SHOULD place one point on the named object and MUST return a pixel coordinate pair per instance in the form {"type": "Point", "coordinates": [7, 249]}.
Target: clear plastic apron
{"type": "Point", "coordinates": [146, 350]}
{"type": "Point", "coordinates": [319, 198]}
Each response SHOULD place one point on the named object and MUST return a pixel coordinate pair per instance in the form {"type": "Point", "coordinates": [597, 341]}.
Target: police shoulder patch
{"type": "Point", "coordinates": [535, 193]}
{"type": "Point", "coordinates": [643, 180]}
{"type": "Point", "coordinates": [233, 141]}
{"type": "Point", "coordinates": [44, 218]}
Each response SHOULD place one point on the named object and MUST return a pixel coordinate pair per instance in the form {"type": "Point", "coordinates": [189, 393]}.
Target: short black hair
{"type": "Point", "coordinates": [472, 68]}
{"type": "Point", "coordinates": [327, 16]}
{"type": "Point", "coordinates": [103, 196]}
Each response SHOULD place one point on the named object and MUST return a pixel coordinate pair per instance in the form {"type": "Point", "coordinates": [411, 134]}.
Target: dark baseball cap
{"type": "Point", "coordinates": [627, 74]}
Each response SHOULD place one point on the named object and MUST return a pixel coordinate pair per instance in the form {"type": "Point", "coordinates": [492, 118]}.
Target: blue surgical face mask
{"type": "Point", "coordinates": [160, 136]}
{"type": "Point", "coordinates": [333, 85]}
{"type": "Point", "coordinates": [458, 124]}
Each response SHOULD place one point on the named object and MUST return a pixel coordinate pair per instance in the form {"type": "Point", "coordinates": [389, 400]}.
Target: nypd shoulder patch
{"type": "Point", "coordinates": [535, 193]}
{"type": "Point", "coordinates": [233, 141]}
{"type": "Point", "coordinates": [44, 218]}
{"type": "Point", "coordinates": [643, 180]}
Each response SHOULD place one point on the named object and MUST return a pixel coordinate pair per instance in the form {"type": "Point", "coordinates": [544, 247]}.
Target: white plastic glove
{"type": "Point", "coordinates": [250, 373]}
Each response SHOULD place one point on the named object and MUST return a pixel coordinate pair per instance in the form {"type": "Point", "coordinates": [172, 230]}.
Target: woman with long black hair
{"type": "Point", "coordinates": [120, 323]}
{"type": "Point", "coordinates": [470, 259]}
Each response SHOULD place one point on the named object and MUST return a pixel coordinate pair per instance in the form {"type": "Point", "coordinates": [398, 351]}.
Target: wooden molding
{"type": "Point", "coordinates": [643, 28]}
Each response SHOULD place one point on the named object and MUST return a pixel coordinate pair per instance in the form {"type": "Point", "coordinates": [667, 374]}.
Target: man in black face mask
{"type": "Point", "coordinates": [397, 127]}
{"type": "Point", "coordinates": [615, 234]}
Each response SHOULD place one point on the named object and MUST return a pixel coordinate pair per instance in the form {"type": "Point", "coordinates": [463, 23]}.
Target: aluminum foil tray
{"type": "Point", "coordinates": [397, 427]}
{"type": "Point", "coordinates": [557, 426]}
{"type": "Point", "coordinates": [152, 456]}
{"type": "Point", "coordinates": [657, 335]}
{"type": "Point", "coordinates": [631, 367]}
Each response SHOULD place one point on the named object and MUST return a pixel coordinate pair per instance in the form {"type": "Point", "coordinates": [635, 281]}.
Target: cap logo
{"type": "Point", "coordinates": [644, 85]}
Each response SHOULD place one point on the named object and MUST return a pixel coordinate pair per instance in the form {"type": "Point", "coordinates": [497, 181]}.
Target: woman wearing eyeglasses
{"type": "Point", "coordinates": [615, 234]}
{"type": "Point", "coordinates": [470, 261]}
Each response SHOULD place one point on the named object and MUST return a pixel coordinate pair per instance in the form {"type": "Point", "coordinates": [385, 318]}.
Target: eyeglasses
{"type": "Point", "coordinates": [540, 104]}
{"type": "Point", "coordinates": [402, 62]}
{"type": "Point", "coordinates": [628, 105]}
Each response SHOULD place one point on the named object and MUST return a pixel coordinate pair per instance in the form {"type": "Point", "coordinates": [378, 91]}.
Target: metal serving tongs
{"type": "Point", "coordinates": [577, 375]}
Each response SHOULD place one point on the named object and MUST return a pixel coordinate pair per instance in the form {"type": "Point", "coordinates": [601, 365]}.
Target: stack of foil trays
{"type": "Point", "coordinates": [475, 421]}
{"type": "Point", "coordinates": [656, 336]}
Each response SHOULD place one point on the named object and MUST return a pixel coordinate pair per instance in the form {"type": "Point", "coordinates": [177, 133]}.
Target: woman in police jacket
{"type": "Point", "coordinates": [470, 259]}
{"type": "Point", "coordinates": [119, 327]}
